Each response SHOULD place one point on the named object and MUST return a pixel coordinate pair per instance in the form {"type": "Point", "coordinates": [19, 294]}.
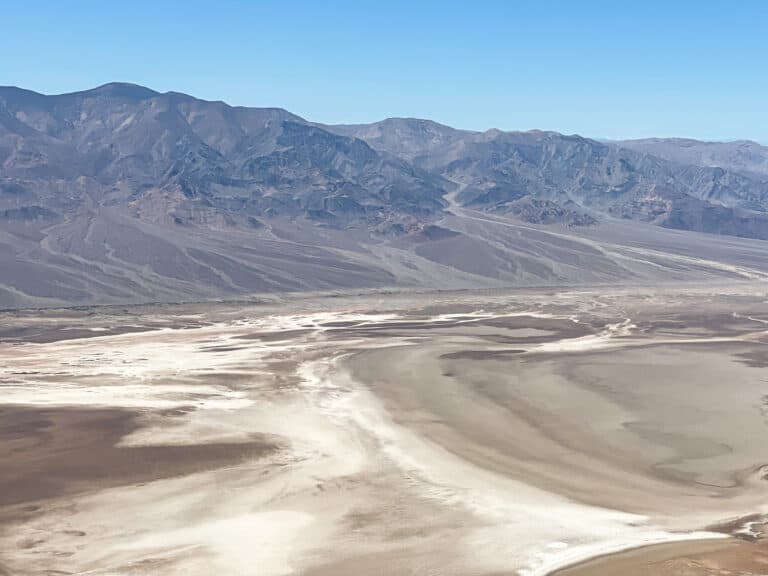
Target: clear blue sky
{"type": "Point", "coordinates": [604, 69]}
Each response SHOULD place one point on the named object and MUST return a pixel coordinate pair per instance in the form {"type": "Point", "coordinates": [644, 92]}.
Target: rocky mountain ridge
{"type": "Point", "coordinates": [122, 193]}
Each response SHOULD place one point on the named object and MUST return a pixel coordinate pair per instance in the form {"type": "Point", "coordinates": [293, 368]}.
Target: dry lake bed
{"type": "Point", "coordinates": [606, 431]}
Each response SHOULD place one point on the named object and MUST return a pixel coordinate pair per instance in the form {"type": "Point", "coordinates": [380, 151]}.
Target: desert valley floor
{"type": "Point", "coordinates": [607, 431]}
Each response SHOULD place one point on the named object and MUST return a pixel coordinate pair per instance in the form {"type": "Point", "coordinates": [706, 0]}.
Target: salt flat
{"type": "Point", "coordinates": [456, 433]}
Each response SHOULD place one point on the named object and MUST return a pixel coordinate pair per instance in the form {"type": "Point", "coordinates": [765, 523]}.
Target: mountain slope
{"type": "Point", "coordinates": [124, 194]}
{"type": "Point", "coordinates": [546, 177]}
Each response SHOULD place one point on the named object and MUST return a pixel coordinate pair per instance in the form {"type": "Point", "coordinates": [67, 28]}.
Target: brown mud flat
{"type": "Point", "coordinates": [693, 558]}
{"type": "Point", "coordinates": [481, 354]}
{"type": "Point", "coordinates": [275, 336]}
{"type": "Point", "coordinates": [44, 335]}
{"type": "Point", "coordinates": [53, 452]}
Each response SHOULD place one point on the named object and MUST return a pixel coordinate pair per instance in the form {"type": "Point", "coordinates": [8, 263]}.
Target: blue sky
{"type": "Point", "coordinates": [601, 69]}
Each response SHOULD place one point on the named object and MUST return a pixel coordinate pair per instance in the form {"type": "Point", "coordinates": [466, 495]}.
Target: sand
{"type": "Point", "coordinates": [468, 433]}
{"type": "Point", "coordinates": [698, 558]}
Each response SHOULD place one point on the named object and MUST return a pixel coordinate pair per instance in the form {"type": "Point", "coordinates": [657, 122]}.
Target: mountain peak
{"type": "Point", "coordinates": [124, 90]}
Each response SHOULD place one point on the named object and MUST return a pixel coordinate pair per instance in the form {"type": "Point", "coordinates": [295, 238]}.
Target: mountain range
{"type": "Point", "coordinates": [122, 194]}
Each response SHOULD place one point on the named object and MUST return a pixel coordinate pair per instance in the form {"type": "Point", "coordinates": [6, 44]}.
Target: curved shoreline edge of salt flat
{"type": "Point", "coordinates": [557, 562]}
{"type": "Point", "coordinates": [540, 523]}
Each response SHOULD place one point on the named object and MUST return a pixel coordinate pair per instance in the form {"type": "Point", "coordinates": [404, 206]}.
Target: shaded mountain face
{"type": "Point", "coordinates": [124, 194]}
{"type": "Point", "coordinates": [172, 158]}
{"type": "Point", "coordinates": [409, 138]}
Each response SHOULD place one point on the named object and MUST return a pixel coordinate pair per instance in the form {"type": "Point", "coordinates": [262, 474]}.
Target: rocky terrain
{"type": "Point", "coordinates": [124, 194]}
{"type": "Point", "coordinates": [582, 176]}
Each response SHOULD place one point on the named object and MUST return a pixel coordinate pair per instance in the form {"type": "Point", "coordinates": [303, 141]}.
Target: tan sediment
{"type": "Point", "coordinates": [699, 558]}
